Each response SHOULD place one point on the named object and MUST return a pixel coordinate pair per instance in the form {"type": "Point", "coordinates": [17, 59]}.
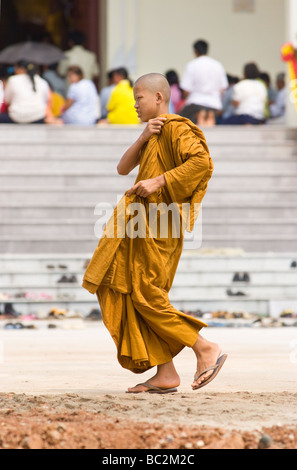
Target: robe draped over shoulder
{"type": "Point", "coordinates": [132, 269]}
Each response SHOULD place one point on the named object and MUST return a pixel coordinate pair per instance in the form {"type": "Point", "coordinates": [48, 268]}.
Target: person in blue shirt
{"type": "Point", "coordinates": [82, 105]}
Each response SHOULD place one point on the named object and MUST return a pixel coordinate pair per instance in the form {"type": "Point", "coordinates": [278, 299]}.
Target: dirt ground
{"type": "Point", "coordinates": [62, 388]}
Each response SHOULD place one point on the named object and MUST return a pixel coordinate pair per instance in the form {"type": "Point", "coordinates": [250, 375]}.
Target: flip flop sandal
{"type": "Point", "coordinates": [216, 368]}
{"type": "Point", "coordinates": [153, 389]}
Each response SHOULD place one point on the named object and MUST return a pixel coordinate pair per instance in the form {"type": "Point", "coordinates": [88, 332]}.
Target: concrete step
{"type": "Point", "coordinates": [25, 134]}
{"type": "Point", "coordinates": [91, 167]}
{"type": "Point", "coordinates": [85, 227]}
{"type": "Point", "coordinates": [256, 244]}
{"type": "Point", "coordinates": [220, 292]}
{"type": "Point", "coordinates": [107, 134]}
{"type": "Point", "coordinates": [254, 151]}
{"type": "Point", "coordinates": [254, 182]}
{"type": "Point", "coordinates": [43, 307]}
{"type": "Point", "coordinates": [68, 151]}
{"type": "Point", "coordinates": [201, 282]}
{"type": "Point", "coordinates": [18, 245]}
{"type": "Point", "coordinates": [44, 262]}
{"type": "Point", "coordinates": [82, 210]}
{"type": "Point", "coordinates": [270, 227]}
{"type": "Point", "coordinates": [81, 230]}
{"type": "Point", "coordinates": [13, 244]}
{"type": "Point", "coordinates": [52, 178]}
{"type": "Point", "coordinates": [107, 152]}
{"type": "Point", "coordinates": [216, 211]}
{"type": "Point", "coordinates": [47, 279]}
{"type": "Point", "coordinates": [213, 261]}
{"type": "Point", "coordinates": [112, 185]}
{"type": "Point", "coordinates": [249, 134]}
{"type": "Point", "coordinates": [219, 260]}
{"type": "Point", "coordinates": [91, 197]}
{"type": "Point", "coordinates": [62, 212]}
{"type": "Point", "coordinates": [178, 293]}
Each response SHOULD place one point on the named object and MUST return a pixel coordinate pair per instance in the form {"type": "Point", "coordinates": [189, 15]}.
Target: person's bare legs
{"type": "Point", "coordinates": [207, 354]}
{"type": "Point", "coordinates": [166, 377]}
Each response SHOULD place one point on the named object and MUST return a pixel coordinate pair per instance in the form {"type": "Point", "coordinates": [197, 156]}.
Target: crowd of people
{"type": "Point", "coordinates": [65, 93]}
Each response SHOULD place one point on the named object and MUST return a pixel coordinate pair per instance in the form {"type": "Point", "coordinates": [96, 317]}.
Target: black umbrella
{"type": "Point", "coordinates": [37, 52]}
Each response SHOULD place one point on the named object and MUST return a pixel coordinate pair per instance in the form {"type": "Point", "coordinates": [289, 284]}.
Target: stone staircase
{"type": "Point", "coordinates": [51, 180]}
{"type": "Point", "coordinates": [204, 281]}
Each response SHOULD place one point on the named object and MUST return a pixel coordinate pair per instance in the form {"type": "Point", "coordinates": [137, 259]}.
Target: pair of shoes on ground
{"type": "Point", "coordinates": [18, 326]}
{"type": "Point", "coordinates": [68, 279]}
{"type": "Point", "coordinates": [238, 293]}
{"type": "Point", "coordinates": [60, 266]}
{"type": "Point", "coordinates": [95, 314]}
{"type": "Point", "coordinates": [216, 368]}
{"type": "Point", "coordinates": [8, 309]}
{"type": "Point", "coordinates": [241, 277]}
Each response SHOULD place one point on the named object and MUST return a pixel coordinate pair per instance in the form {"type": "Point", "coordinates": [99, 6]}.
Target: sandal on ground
{"type": "Point", "coordinates": [216, 368]}
{"type": "Point", "coordinates": [152, 389]}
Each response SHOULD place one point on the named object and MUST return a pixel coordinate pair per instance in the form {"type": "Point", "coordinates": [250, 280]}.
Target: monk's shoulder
{"type": "Point", "coordinates": [174, 129]}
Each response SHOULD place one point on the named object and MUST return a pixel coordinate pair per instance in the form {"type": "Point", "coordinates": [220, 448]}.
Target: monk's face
{"type": "Point", "coordinates": [146, 103]}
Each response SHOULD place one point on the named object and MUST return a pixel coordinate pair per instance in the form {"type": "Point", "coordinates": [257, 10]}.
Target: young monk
{"type": "Point", "coordinates": [132, 275]}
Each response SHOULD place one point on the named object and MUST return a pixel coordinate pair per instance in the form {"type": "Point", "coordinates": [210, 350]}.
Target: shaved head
{"type": "Point", "coordinates": [155, 82]}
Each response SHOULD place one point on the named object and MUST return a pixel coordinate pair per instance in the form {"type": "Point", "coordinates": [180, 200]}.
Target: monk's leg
{"type": "Point", "coordinates": [207, 354]}
{"type": "Point", "coordinates": [166, 377]}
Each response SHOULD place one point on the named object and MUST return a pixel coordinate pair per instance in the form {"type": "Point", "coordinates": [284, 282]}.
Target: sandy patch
{"type": "Point", "coordinates": [63, 388]}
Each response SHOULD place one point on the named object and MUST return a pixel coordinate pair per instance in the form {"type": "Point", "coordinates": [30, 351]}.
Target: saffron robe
{"type": "Point", "coordinates": [132, 275]}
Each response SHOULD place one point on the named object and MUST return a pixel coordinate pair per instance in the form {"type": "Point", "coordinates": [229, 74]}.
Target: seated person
{"type": "Point", "coordinates": [82, 106]}
{"type": "Point", "coordinates": [249, 98]}
{"type": "Point", "coordinates": [120, 108]}
{"type": "Point", "coordinates": [176, 99]}
{"type": "Point", "coordinates": [26, 96]}
{"type": "Point", "coordinates": [278, 108]}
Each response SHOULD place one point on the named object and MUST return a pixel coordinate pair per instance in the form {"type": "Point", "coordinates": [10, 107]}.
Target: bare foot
{"type": "Point", "coordinates": [166, 377]}
{"type": "Point", "coordinates": [207, 354]}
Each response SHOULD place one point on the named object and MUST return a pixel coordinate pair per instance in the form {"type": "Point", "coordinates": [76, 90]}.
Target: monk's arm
{"type": "Point", "coordinates": [131, 157]}
{"type": "Point", "coordinates": [184, 179]}
{"type": "Point", "coordinates": [146, 187]}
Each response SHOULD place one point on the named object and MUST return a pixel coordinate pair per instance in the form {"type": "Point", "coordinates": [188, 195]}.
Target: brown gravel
{"type": "Point", "coordinates": [28, 422]}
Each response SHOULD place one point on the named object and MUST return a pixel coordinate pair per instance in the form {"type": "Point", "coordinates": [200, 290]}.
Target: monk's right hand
{"type": "Point", "coordinates": [154, 126]}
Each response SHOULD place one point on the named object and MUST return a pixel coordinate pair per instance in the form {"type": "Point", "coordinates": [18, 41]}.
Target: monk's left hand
{"type": "Point", "coordinates": [146, 187]}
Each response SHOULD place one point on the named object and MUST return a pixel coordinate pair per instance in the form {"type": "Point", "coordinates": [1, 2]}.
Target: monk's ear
{"type": "Point", "coordinates": [159, 97]}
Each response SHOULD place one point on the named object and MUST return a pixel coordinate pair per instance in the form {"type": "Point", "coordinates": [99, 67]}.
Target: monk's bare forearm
{"type": "Point", "coordinates": [131, 157]}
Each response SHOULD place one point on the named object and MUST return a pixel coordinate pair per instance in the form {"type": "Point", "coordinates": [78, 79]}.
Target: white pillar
{"type": "Point", "coordinates": [122, 34]}
{"type": "Point", "coordinates": [291, 36]}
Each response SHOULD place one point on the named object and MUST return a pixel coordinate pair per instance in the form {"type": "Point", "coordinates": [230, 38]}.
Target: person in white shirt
{"type": "Point", "coordinates": [26, 95]}
{"type": "Point", "coordinates": [82, 105]}
{"type": "Point", "coordinates": [278, 108]}
{"type": "Point", "coordinates": [203, 84]}
{"type": "Point", "coordinates": [250, 98]}
{"type": "Point", "coordinates": [80, 56]}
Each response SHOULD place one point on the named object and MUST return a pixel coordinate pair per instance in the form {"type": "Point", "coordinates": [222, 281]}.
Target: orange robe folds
{"type": "Point", "coordinates": [132, 275]}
